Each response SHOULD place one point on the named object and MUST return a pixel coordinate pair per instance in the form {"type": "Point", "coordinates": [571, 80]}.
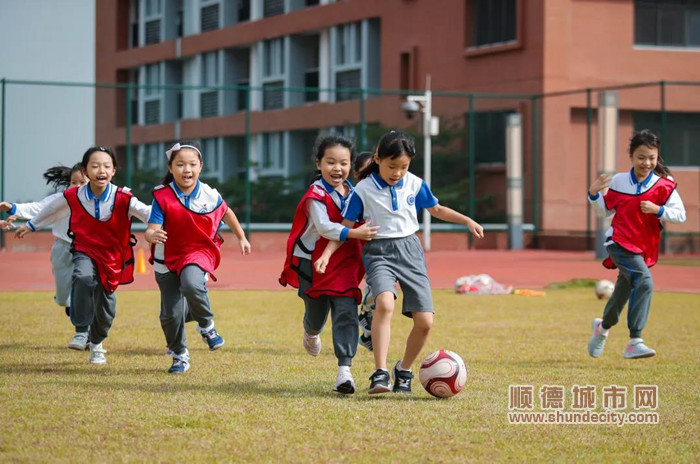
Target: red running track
{"type": "Point", "coordinates": [31, 270]}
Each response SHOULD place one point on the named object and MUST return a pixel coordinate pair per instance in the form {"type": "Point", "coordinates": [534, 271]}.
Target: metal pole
{"type": "Point", "coordinates": [535, 168]}
{"type": "Point", "coordinates": [129, 122]}
{"type": "Point", "coordinates": [589, 121]}
{"type": "Point", "coordinates": [2, 155]}
{"type": "Point", "coordinates": [662, 90]}
{"type": "Point", "coordinates": [607, 151]}
{"type": "Point", "coordinates": [427, 161]}
{"type": "Point", "coordinates": [247, 164]}
{"type": "Point", "coordinates": [472, 156]}
{"type": "Point", "coordinates": [514, 180]}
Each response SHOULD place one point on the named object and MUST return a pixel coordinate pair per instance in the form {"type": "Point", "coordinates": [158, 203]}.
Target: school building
{"type": "Point", "coordinates": [188, 58]}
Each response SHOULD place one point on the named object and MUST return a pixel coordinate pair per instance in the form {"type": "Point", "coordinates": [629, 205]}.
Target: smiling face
{"type": "Point", "coordinates": [644, 161]}
{"type": "Point", "coordinates": [392, 170]}
{"type": "Point", "coordinates": [99, 171]}
{"type": "Point", "coordinates": [335, 165]}
{"type": "Point", "coordinates": [185, 166]}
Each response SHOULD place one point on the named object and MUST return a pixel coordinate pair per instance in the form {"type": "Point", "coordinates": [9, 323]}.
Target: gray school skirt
{"type": "Point", "coordinates": [391, 260]}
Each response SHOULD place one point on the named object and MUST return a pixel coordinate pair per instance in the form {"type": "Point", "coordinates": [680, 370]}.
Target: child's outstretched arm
{"type": "Point", "coordinates": [594, 197]}
{"type": "Point", "coordinates": [450, 215]}
{"type": "Point", "coordinates": [322, 262]}
{"type": "Point", "coordinates": [51, 211]}
{"type": "Point", "coordinates": [232, 221]}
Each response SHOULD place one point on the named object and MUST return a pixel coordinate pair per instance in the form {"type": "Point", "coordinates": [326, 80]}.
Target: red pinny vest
{"type": "Point", "coordinates": [108, 243]}
{"type": "Point", "coordinates": [633, 230]}
{"type": "Point", "coordinates": [193, 237]}
{"type": "Point", "coordinates": [345, 269]}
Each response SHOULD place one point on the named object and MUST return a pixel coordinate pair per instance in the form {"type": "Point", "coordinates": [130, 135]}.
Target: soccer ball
{"type": "Point", "coordinates": [604, 289]}
{"type": "Point", "coordinates": [443, 374]}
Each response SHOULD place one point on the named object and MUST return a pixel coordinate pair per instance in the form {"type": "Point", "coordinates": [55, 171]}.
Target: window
{"type": "Point", "coordinates": [273, 64]}
{"type": "Point", "coordinates": [491, 22]}
{"type": "Point", "coordinates": [209, 17]}
{"type": "Point", "coordinates": [152, 94]}
{"type": "Point", "coordinates": [209, 98]}
{"type": "Point", "coordinates": [682, 138]}
{"type": "Point", "coordinates": [149, 157]}
{"type": "Point", "coordinates": [349, 44]}
{"type": "Point", "coordinates": [668, 23]}
{"type": "Point", "coordinates": [272, 157]}
{"type": "Point", "coordinates": [211, 159]}
{"type": "Point", "coordinates": [490, 134]}
{"type": "Point", "coordinates": [349, 60]}
{"type": "Point", "coordinates": [152, 22]}
{"type": "Point", "coordinates": [348, 80]}
{"type": "Point", "coordinates": [273, 8]}
{"type": "Point", "coordinates": [134, 24]}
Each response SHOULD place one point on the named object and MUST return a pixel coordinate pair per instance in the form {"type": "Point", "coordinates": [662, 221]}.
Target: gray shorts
{"type": "Point", "coordinates": [401, 260]}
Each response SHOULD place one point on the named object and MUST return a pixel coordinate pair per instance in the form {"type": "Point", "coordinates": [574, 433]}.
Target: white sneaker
{"type": "Point", "coordinates": [638, 350]}
{"type": "Point", "coordinates": [312, 344]}
{"type": "Point", "coordinates": [97, 354]}
{"type": "Point", "coordinates": [344, 383]}
{"type": "Point", "coordinates": [79, 342]}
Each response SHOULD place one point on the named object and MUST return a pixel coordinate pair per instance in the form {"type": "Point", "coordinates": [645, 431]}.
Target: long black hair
{"type": "Point", "coordinates": [360, 161]}
{"type": "Point", "coordinates": [323, 143]}
{"type": "Point", "coordinates": [651, 140]}
{"type": "Point", "coordinates": [59, 176]}
{"type": "Point", "coordinates": [392, 145]}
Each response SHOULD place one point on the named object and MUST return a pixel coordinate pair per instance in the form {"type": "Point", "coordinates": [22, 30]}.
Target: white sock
{"type": "Point", "coordinates": [205, 329]}
{"type": "Point", "coordinates": [343, 369]}
{"type": "Point", "coordinates": [635, 340]}
{"type": "Point", "coordinates": [603, 331]}
{"type": "Point", "coordinates": [400, 367]}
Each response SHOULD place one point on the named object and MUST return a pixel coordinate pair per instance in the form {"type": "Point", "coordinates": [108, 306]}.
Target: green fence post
{"type": "Point", "coordinates": [589, 122]}
{"type": "Point", "coordinates": [129, 122]}
{"type": "Point", "coordinates": [535, 194]}
{"type": "Point", "coordinates": [472, 156]}
{"type": "Point", "coordinates": [2, 154]}
{"type": "Point", "coordinates": [248, 205]}
{"type": "Point", "coordinates": [363, 123]}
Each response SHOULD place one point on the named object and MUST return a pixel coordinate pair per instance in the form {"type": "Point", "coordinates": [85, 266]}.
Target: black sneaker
{"type": "Point", "coordinates": [68, 311]}
{"type": "Point", "coordinates": [402, 380]}
{"type": "Point", "coordinates": [379, 382]}
{"type": "Point", "coordinates": [366, 341]}
{"type": "Point", "coordinates": [365, 321]}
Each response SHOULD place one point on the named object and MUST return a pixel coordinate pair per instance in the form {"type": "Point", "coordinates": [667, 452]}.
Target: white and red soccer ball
{"type": "Point", "coordinates": [443, 374]}
{"type": "Point", "coordinates": [604, 289]}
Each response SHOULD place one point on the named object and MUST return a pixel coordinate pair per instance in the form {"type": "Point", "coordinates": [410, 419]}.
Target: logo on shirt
{"type": "Point", "coordinates": [411, 200]}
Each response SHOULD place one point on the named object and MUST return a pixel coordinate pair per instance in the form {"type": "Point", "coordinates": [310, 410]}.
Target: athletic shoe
{"type": "Point", "coordinates": [344, 383]}
{"type": "Point", "coordinates": [312, 344]}
{"type": "Point", "coordinates": [180, 365]}
{"type": "Point", "coordinates": [597, 341]}
{"type": "Point", "coordinates": [365, 321]}
{"type": "Point", "coordinates": [366, 341]}
{"type": "Point", "coordinates": [79, 342]}
{"type": "Point", "coordinates": [68, 311]}
{"type": "Point", "coordinates": [638, 350]}
{"type": "Point", "coordinates": [402, 380]}
{"type": "Point", "coordinates": [97, 354]}
{"type": "Point", "coordinates": [168, 351]}
{"type": "Point", "coordinates": [213, 339]}
{"type": "Point", "coordinates": [379, 382]}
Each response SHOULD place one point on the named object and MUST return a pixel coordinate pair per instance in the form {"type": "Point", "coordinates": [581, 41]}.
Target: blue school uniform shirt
{"type": "Point", "coordinates": [393, 208]}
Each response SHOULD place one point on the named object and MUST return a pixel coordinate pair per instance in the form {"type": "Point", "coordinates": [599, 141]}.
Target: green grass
{"type": "Point", "coordinates": [261, 398]}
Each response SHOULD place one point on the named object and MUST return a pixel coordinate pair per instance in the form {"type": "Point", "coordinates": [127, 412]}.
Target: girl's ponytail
{"type": "Point", "coordinates": [58, 176]}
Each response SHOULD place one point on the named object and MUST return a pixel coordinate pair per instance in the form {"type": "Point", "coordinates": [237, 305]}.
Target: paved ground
{"type": "Point", "coordinates": [27, 271]}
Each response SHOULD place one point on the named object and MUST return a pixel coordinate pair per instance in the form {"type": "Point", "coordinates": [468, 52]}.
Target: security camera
{"type": "Point", "coordinates": [410, 108]}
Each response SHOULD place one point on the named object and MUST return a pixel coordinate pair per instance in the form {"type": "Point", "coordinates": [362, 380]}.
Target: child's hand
{"type": "Point", "coordinates": [245, 246]}
{"type": "Point", "coordinates": [365, 232]}
{"type": "Point", "coordinates": [156, 236]}
{"type": "Point", "coordinates": [5, 206]}
{"type": "Point", "coordinates": [602, 182]}
{"type": "Point", "coordinates": [648, 207]}
{"type": "Point", "coordinates": [8, 224]}
{"type": "Point", "coordinates": [22, 231]}
{"type": "Point", "coordinates": [321, 263]}
{"type": "Point", "coordinates": [475, 228]}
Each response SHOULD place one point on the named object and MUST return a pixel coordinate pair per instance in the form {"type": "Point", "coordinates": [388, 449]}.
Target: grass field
{"type": "Point", "coordinates": [261, 398]}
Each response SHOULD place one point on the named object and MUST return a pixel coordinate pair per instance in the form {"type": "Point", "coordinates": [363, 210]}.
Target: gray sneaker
{"type": "Point", "coordinates": [79, 342]}
{"type": "Point", "coordinates": [638, 350]}
{"type": "Point", "coordinates": [597, 341]}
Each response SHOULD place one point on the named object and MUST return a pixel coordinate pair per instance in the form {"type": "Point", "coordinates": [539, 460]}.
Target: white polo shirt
{"type": "Point", "coordinates": [393, 208]}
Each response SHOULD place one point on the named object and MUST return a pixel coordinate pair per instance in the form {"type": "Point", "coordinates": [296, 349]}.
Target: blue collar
{"type": "Point", "coordinates": [330, 189]}
{"type": "Point", "coordinates": [179, 192]}
{"type": "Point", "coordinates": [644, 182]}
{"type": "Point", "coordinates": [103, 197]}
{"type": "Point", "coordinates": [380, 183]}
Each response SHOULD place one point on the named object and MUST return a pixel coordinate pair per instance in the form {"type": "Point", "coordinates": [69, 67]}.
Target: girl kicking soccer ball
{"type": "Point", "coordinates": [184, 229]}
{"type": "Point", "coordinates": [317, 220]}
{"type": "Point", "coordinates": [390, 197]}
{"type": "Point", "coordinates": [640, 199]}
